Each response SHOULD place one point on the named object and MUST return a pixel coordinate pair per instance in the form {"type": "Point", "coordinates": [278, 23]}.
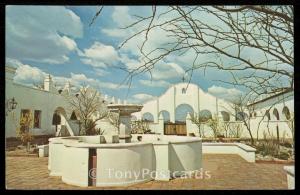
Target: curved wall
{"type": "Point", "coordinates": [123, 163]}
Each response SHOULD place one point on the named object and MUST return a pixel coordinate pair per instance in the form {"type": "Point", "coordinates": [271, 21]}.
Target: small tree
{"type": "Point", "coordinates": [225, 125]}
{"type": "Point", "coordinates": [114, 119]}
{"type": "Point", "coordinates": [235, 130]}
{"type": "Point", "coordinates": [213, 123]}
{"type": "Point", "coordinates": [90, 108]}
{"type": "Point", "coordinates": [23, 130]}
{"type": "Point", "coordinates": [241, 110]}
{"type": "Point", "coordinates": [199, 120]}
{"type": "Point", "coordinates": [140, 127]}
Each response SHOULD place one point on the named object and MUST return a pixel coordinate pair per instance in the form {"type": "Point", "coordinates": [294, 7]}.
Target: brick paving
{"type": "Point", "coordinates": [226, 172]}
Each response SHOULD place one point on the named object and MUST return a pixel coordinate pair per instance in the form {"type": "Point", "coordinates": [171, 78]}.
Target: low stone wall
{"type": "Point", "coordinates": [246, 152]}
{"type": "Point", "coordinates": [13, 142]}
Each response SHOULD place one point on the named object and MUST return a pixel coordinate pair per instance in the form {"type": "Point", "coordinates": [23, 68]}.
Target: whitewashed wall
{"type": "Point", "coordinates": [47, 100]}
{"type": "Point", "coordinates": [199, 100]}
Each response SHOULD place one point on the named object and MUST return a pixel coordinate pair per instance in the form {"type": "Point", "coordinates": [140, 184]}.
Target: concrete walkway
{"type": "Point", "coordinates": [225, 172]}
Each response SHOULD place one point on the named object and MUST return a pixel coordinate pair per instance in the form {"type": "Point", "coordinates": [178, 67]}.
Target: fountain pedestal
{"type": "Point", "coordinates": [125, 111]}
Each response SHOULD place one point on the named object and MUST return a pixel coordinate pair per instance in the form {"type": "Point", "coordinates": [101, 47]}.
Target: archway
{"type": "Point", "coordinates": [241, 116]}
{"type": "Point", "coordinates": [181, 112]}
{"type": "Point", "coordinates": [205, 115]}
{"type": "Point", "coordinates": [276, 113]}
{"type": "Point", "coordinates": [59, 122]}
{"type": "Point", "coordinates": [166, 115]}
{"type": "Point", "coordinates": [148, 117]}
{"type": "Point", "coordinates": [225, 116]}
{"type": "Point", "coordinates": [286, 113]}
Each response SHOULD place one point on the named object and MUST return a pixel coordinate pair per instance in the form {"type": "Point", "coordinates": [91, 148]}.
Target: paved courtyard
{"type": "Point", "coordinates": [226, 171]}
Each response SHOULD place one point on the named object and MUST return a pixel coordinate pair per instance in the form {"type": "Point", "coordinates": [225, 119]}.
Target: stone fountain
{"type": "Point", "coordinates": [125, 111]}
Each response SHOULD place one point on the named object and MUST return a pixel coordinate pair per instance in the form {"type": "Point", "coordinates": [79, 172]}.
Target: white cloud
{"type": "Point", "coordinates": [225, 93]}
{"type": "Point", "coordinates": [121, 16]}
{"type": "Point", "coordinates": [82, 79]}
{"type": "Point", "coordinates": [100, 72]}
{"type": "Point", "coordinates": [114, 32]}
{"type": "Point", "coordinates": [12, 62]}
{"type": "Point", "coordinates": [142, 97]}
{"type": "Point", "coordinates": [69, 43]}
{"type": "Point", "coordinates": [26, 74]}
{"type": "Point", "coordinates": [41, 33]}
{"type": "Point", "coordinates": [100, 55]}
{"type": "Point", "coordinates": [154, 83]}
{"type": "Point", "coordinates": [164, 70]}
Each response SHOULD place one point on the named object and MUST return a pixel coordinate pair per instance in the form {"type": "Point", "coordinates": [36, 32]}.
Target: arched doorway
{"type": "Point", "coordinates": [205, 115]}
{"type": "Point", "coordinates": [148, 117]}
{"type": "Point", "coordinates": [181, 112]}
{"type": "Point", "coordinates": [225, 116]}
{"type": "Point", "coordinates": [59, 122]}
{"type": "Point", "coordinates": [286, 113]}
{"type": "Point", "coordinates": [166, 115]}
{"type": "Point", "coordinates": [179, 127]}
{"type": "Point", "coordinates": [56, 120]}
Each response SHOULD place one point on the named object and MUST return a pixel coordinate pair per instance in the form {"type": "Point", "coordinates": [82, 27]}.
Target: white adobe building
{"type": "Point", "coordinates": [47, 105]}
{"type": "Point", "coordinates": [270, 115]}
{"type": "Point", "coordinates": [179, 102]}
{"type": "Point", "coordinates": [52, 116]}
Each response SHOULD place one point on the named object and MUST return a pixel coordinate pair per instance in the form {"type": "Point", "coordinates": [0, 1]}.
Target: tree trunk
{"type": "Point", "coordinates": [28, 147]}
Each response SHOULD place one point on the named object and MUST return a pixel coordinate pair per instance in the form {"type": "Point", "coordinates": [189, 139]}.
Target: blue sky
{"type": "Point", "coordinates": [58, 40]}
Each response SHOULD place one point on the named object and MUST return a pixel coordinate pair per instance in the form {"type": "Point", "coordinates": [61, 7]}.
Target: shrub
{"type": "Point", "coordinates": [268, 148]}
{"type": "Point", "coordinates": [282, 155]}
{"type": "Point", "coordinates": [286, 144]}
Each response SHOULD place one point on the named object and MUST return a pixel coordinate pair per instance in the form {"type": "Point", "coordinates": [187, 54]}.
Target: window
{"type": "Point", "coordinates": [268, 115]}
{"type": "Point", "coordinates": [241, 116]}
{"type": "Point", "coordinates": [183, 91]}
{"type": "Point", "coordinates": [37, 119]}
{"type": "Point", "coordinates": [286, 113]}
{"type": "Point", "coordinates": [73, 116]}
{"type": "Point", "coordinates": [276, 114]}
{"type": "Point", "coordinates": [225, 115]}
{"type": "Point", "coordinates": [25, 120]}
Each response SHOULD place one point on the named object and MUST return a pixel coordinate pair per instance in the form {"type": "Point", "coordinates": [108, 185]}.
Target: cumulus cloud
{"type": "Point", "coordinates": [167, 70]}
{"type": "Point", "coordinates": [142, 97]}
{"type": "Point", "coordinates": [33, 76]}
{"type": "Point", "coordinates": [12, 62]}
{"type": "Point", "coordinates": [100, 55]}
{"type": "Point", "coordinates": [29, 75]}
{"type": "Point", "coordinates": [41, 33]}
{"type": "Point", "coordinates": [82, 80]}
{"type": "Point", "coordinates": [155, 83]}
{"type": "Point", "coordinates": [229, 94]}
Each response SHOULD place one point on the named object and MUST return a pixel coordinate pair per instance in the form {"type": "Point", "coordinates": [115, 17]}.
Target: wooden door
{"type": "Point", "coordinates": [170, 129]}
{"type": "Point", "coordinates": [175, 129]}
{"type": "Point", "coordinates": [180, 129]}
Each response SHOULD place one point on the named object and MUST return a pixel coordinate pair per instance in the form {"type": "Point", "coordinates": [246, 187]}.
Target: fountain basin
{"type": "Point", "coordinates": [158, 157]}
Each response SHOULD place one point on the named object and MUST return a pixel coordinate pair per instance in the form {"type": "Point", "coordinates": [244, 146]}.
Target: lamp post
{"type": "Point", "coordinates": [10, 105]}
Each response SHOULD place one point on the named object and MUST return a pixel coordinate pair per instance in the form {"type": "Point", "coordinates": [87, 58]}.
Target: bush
{"type": "Point", "coordinates": [268, 148]}
{"type": "Point", "coordinates": [286, 144]}
{"type": "Point", "coordinates": [282, 155]}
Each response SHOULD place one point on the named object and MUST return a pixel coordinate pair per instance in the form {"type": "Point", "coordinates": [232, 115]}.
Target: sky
{"type": "Point", "coordinates": [59, 41]}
